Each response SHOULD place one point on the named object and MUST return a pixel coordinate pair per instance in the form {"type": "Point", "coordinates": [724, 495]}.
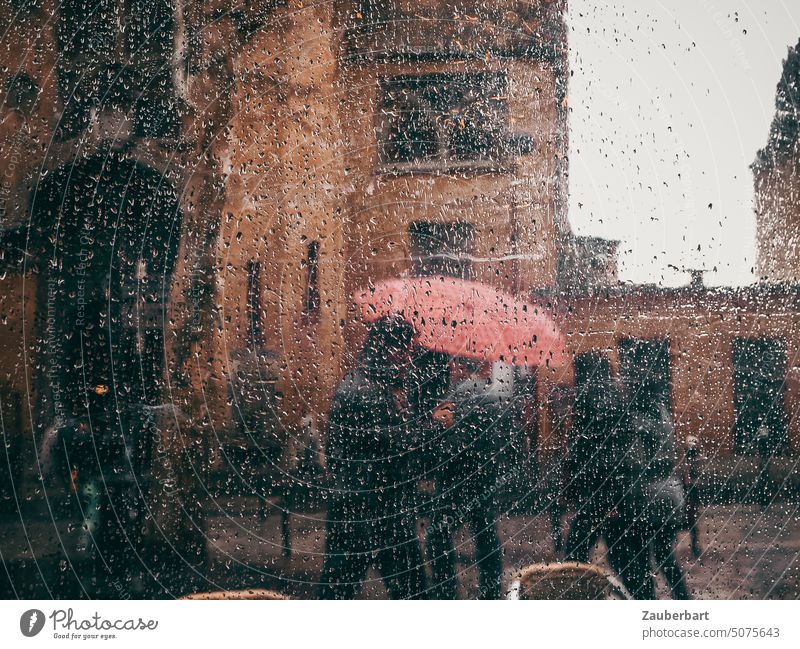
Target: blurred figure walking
{"type": "Point", "coordinates": [371, 518]}
{"type": "Point", "coordinates": [654, 508]}
{"type": "Point", "coordinates": [466, 481]}
{"type": "Point", "coordinates": [691, 485]}
{"type": "Point", "coordinates": [764, 488]}
{"type": "Point", "coordinates": [596, 465]}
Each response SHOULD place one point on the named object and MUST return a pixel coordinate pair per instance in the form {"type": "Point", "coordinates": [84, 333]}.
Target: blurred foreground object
{"type": "Point", "coordinates": [249, 593]}
{"type": "Point", "coordinates": [571, 580]}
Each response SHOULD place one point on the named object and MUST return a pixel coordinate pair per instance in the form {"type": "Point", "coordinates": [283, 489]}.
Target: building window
{"type": "Point", "coordinates": [87, 28]}
{"type": "Point", "coordinates": [139, 30]}
{"type": "Point", "coordinates": [312, 298]}
{"type": "Point", "coordinates": [441, 248]}
{"type": "Point", "coordinates": [255, 333]}
{"type": "Point", "coordinates": [759, 372]}
{"type": "Point", "coordinates": [443, 121]}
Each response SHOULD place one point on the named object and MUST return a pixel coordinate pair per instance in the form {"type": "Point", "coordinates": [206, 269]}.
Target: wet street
{"type": "Point", "coordinates": [746, 554]}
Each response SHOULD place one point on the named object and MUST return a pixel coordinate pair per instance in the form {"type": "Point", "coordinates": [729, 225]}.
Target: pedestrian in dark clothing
{"type": "Point", "coordinates": [466, 485]}
{"type": "Point", "coordinates": [691, 480]}
{"type": "Point", "coordinates": [553, 472]}
{"type": "Point", "coordinates": [654, 505]}
{"type": "Point", "coordinates": [554, 493]}
{"type": "Point", "coordinates": [428, 389]}
{"type": "Point", "coordinates": [371, 517]}
{"type": "Point", "coordinates": [596, 481]}
{"type": "Point", "coordinates": [763, 486]}
{"type": "Point", "coordinates": [597, 473]}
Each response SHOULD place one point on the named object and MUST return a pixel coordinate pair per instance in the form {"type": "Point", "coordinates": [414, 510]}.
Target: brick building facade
{"type": "Point", "coordinates": [287, 155]}
{"type": "Point", "coordinates": [193, 190]}
{"type": "Point", "coordinates": [732, 356]}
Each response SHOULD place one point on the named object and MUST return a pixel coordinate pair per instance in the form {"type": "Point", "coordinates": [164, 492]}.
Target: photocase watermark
{"type": "Point", "coordinates": [65, 625]}
{"type": "Point", "coordinates": [121, 590]}
{"type": "Point", "coordinates": [54, 326]}
{"type": "Point", "coordinates": [722, 19]}
{"type": "Point", "coordinates": [31, 622]}
{"type": "Point", "coordinates": [8, 181]}
{"type": "Point", "coordinates": [81, 271]}
{"type": "Point", "coordinates": [168, 480]}
{"type": "Point", "coordinates": [54, 346]}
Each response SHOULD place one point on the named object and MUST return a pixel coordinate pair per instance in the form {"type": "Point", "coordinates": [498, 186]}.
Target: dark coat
{"type": "Point", "coordinates": [369, 445]}
{"type": "Point", "coordinates": [468, 452]}
{"type": "Point", "coordinates": [598, 445]}
{"type": "Point", "coordinates": [655, 493]}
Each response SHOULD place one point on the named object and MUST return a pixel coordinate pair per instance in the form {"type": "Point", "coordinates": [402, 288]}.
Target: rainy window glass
{"type": "Point", "coordinates": [443, 120]}
{"type": "Point", "coordinates": [646, 363]}
{"type": "Point", "coordinates": [21, 92]}
{"type": "Point", "coordinates": [399, 299]}
{"type": "Point", "coordinates": [114, 67]}
{"type": "Point", "coordinates": [86, 27]}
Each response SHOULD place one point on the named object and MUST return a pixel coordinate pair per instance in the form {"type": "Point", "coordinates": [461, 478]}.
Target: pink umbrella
{"type": "Point", "coordinates": [468, 319]}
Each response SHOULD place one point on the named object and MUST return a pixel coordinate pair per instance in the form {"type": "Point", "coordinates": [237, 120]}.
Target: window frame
{"type": "Point", "coordinates": [443, 164]}
{"type": "Point", "coordinates": [625, 343]}
{"type": "Point", "coordinates": [461, 259]}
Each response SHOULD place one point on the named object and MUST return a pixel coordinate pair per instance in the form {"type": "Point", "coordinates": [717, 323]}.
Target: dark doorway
{"type": "Point", "coordinates": [104, 235]}
{"type": "Point", "coordinates": [107, 231]}
{"type": "Point", "coordinates": [645, 362]}
{"type": "Point", "coordinates": [759, 371]}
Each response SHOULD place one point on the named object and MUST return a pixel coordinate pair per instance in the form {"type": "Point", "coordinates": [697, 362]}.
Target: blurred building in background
{"type": "Point", "coordinates": [373, 139]}
{"type": "Point", "coordinates": [586, 263]}
{"type": "Point", "coordinates": [728, 357]}
{"type": "Point", "coordinates": [192, 191]}
{"type": "Point", "coordinates": [235, 170]}
{"type": "Point", "coordinates": [776, 172]}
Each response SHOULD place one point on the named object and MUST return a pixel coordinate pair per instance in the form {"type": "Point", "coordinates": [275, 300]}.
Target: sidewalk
{"type": "Point", "coordinates": [731, 479]}
{"type": "Point", "coordinates": [749, 552]}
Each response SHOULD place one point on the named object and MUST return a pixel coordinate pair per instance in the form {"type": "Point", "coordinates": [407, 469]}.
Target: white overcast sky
{"type": "Point", "coordinates": [669, 103]}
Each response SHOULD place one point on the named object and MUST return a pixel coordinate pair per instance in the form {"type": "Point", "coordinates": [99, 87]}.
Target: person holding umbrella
{"type": "Point", "coordinates": [466, 320]}
{"type": "Point", "coordinates": [371, 444]}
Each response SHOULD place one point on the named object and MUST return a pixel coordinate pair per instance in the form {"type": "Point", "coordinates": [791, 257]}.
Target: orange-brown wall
{"type": "Point", "coordinates": [700, 327]}
{"type": "Point", "coordinates": [301, 164]}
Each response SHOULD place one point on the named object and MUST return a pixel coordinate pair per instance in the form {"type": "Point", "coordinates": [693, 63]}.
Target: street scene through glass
{"type": "Point", "coordinates": [381, 299]}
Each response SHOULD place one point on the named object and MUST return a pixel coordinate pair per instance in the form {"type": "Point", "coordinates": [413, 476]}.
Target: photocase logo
{"type": "Point", "coordinates": [31, 622]}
